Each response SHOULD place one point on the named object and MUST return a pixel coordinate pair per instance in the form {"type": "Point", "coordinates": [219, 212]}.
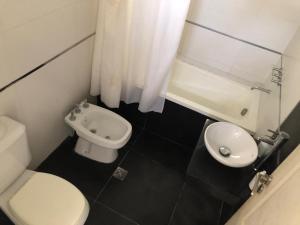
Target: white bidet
{"type": "Point", "coordinates": [101, 132]}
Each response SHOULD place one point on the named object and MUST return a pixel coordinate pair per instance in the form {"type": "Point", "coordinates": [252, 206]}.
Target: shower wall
{"type": "Point", "coordinates": [270, 24]}
{"type": "Point", "coordinates": [290, 91]}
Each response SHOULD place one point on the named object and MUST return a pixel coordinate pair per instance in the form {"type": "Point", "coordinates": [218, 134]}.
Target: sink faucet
{"type": "Point", "coordinates": [268, 91]}
{"type": "Point", "coordinates": [269, 139]}
{"type": "Point", "coordinates": [276, 138]}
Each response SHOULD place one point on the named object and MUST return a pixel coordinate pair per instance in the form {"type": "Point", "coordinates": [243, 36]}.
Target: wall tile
{"type": "Point", "coordinates": [4, 69]}
{"type": "Point", "coordinates": [291, 77]}
{"type": "Point", "coordinates": [270, 23]}
{"type": "Point", "coordinates": [16, 13]}
{"type": "Point", "coordinates": [42, 100]}
{"type": "Point", "coordinates": [268, 114]}
{"type": "Point", "coordinates": [202, 47]}
{"type": "Point", "coordinates": [53, 33]}
{"type": "Point", "coordinates": [208, 47]}
{"type": "Point", "coordinates": [8, 102]}
{"type": "Point", "coordinates": [269, 31]}
{"type": "Point", "coordinates": [222, 15]}
{"type": "Point", "coordinates": [254, 64]}
{"type": "Point", "coordinates": [290, 97]}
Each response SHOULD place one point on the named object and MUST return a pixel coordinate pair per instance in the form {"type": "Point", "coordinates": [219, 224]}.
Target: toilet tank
{"type": "Point", "coordinates": [14, 151]}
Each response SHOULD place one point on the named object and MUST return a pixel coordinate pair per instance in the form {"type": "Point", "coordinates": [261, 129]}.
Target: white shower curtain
{"type": "Point", "coordinates": [135, 45]}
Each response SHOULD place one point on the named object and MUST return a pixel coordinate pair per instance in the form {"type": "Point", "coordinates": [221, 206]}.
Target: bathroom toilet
{"type": "Point", "coordinates": [32, 198]}
{"type": "Point", "coordinates": [101, 132]}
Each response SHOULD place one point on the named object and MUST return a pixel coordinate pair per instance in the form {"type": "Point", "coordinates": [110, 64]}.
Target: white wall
{"type": "Point", "coordinates": [269, 23]}
{"type": "Point", "coordinates": [31, 32]}
{"type": "Point", "coordinates": [269, 104]}
{"type": "Point", "coordinates": [291, 78]}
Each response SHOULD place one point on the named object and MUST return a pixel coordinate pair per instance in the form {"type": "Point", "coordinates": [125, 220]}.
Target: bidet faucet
{"type": "Point", "coordinates": [77, 108]}
{"type": "Point", "coordinates": [268, 91]}
{"type": "Point", "coordinates": [72, 116]}
{"type": "Point", "coordinates": [85, 104]}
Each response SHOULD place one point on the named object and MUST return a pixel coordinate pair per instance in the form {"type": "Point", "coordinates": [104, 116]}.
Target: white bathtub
{"type": "Point", "coordinates": [213, 95]}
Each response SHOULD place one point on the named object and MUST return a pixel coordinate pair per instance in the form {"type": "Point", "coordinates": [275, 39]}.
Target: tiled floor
{"type": "Point", "coordinates": [153, 193]}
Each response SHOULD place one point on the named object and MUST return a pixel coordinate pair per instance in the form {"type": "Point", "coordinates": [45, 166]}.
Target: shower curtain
{"type": "Point", "coordinates": [135, 45]}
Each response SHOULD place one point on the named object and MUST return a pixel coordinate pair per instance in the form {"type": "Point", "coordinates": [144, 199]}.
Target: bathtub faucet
{"type": "Point", "coordinates": [268, 91]}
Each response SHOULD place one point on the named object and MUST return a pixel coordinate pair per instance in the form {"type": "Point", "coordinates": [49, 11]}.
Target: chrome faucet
{"type": "Point", "coordinates": [269, 139]}
{"type": "Point", "coordinates": [77, 109]}
{"type": "Point", "coordinates": [268, 91]}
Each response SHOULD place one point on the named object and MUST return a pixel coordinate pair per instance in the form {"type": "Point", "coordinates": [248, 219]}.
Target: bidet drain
{"type": "Point", "coordinates": [120, 174]}
{"type": "Point", "coordinates": [94, 131]}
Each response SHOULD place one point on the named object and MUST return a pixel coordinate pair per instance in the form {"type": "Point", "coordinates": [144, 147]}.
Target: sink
{"type": "Point", "coordinates": [230, 144]}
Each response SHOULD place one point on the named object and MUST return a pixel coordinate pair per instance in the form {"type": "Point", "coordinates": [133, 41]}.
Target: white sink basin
{"type": "Point", "coordinates": [230, 145]}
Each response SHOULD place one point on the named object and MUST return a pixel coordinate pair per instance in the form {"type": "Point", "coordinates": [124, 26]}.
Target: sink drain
{"type": "Point", "coordinates": [225, 151]}
{"type": "Point", "coordinates": [107, 137]}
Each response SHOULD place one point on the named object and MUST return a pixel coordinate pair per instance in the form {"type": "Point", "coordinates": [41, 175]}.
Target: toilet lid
{"type": "Point", "coordinates": [46, 199]}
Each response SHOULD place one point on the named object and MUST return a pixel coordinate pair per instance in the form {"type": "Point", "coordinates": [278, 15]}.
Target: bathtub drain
{"type": "Point", "coordinates": [244, 111]}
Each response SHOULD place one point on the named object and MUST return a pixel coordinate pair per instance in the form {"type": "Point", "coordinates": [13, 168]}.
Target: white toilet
{"type": "Point", "coordinates": [32, 198]}
{"type": "Point", "coordinates": [101, 132]}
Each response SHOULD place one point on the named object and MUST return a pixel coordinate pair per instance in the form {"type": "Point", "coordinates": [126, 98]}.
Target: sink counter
{"type": "Point", "coordinates": [222, 182]}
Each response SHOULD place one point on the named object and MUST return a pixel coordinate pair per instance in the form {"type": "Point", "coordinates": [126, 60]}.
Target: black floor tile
{"type": "Point", "coordinates": [136, 133]}
{"type": "Point", "coordinates": [177, 123]}
{"type": "Point", "coordinates": [102, 215]}
{"type": "Point", "coordinates": [196, 207]}
{"type": "Point", "coordinates": [133, 115]}
{"type": "Point", "coordinates": [162, 150]}
{"type": "Point", "coordinates": [87, 175]}
{"type": "Point", "coordinates": [148, 194]}
{"type": "Point", "coordinates": [227, 212]}
{"type": "Point", "coordinates": [4, 220]}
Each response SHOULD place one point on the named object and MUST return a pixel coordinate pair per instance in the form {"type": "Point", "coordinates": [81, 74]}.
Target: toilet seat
{"type": "Point", "coordinates": [46, 199]}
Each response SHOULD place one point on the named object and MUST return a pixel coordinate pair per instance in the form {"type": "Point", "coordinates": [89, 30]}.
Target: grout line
{"type": "Point", "coordinates": [136, 151]}
{"type": "Point", "coordinates": [177, 202]}
{"type": "Point", "coordinates": [169, 139]}
{"type": "Point", "coordinates": [116, 212]}
{"type": "Point", "coordinates": [111, 176]}
{"type": "Point", "coordinates": [158, 163]}
{"type": "Point", "coordinates": [146, 122]}
{"type": "Point", "coordinates": [235, 38]}
{"type": "Point", "coordinates": [137, 137]}
{"type": "Point", "coordinates": [45, 63]}
{"type": "Point", "coordinates": [220, 212]}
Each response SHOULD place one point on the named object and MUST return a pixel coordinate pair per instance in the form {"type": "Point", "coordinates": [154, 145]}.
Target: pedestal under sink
{"type": "Point", "coordinates": [230, 144]}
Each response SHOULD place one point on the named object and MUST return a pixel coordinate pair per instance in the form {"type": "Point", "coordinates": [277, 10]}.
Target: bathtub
{"type": "Point", "coordinates": [212, 95]}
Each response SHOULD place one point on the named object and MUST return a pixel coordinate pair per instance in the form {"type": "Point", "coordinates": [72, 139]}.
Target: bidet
{"type": "Point", "coordinates": [101, 132]}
